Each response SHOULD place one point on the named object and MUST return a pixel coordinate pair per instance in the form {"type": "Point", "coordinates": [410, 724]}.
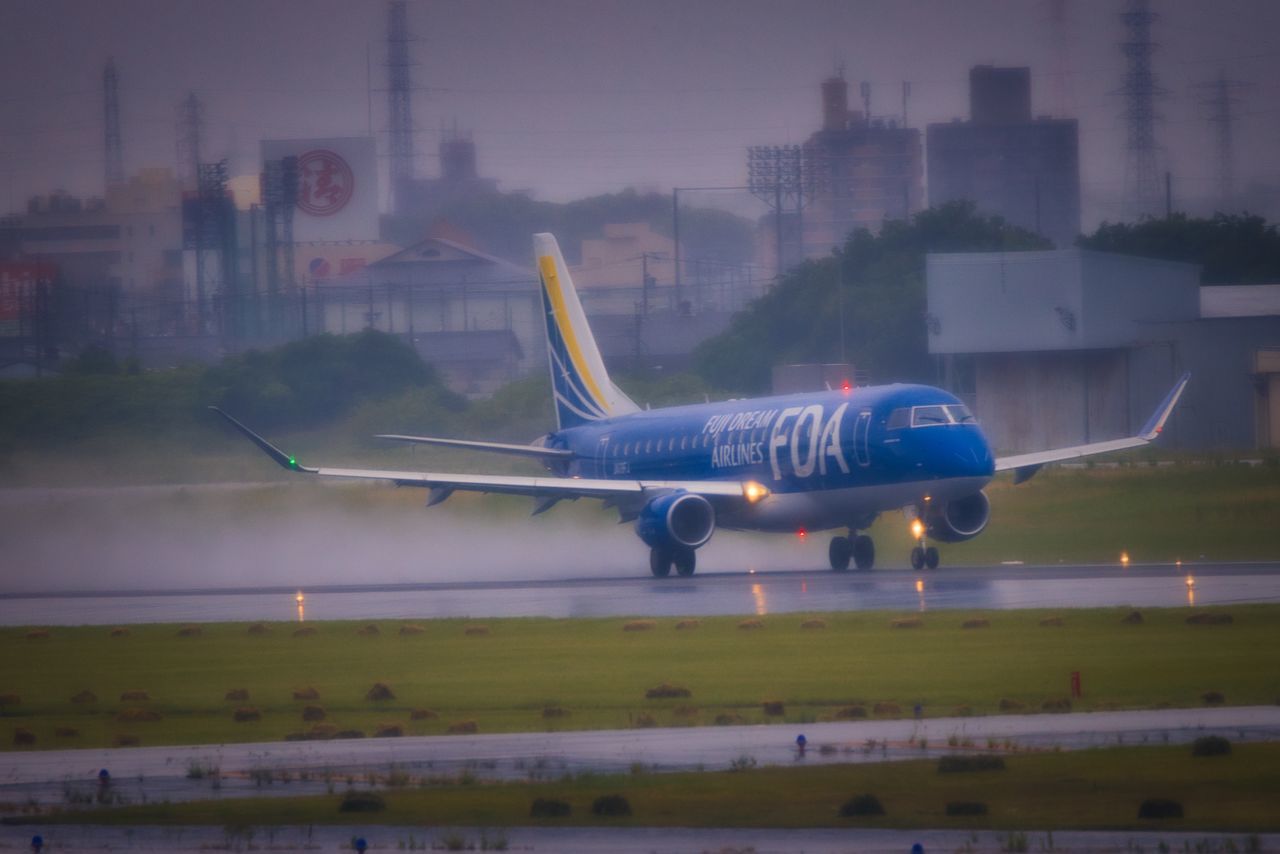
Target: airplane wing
{"type": "Point", "coordinates": [1026, 465]}
{"type": "Point", "coordinates": [495, 447]}
{"type": "Point", "coordinates": [548, 489]}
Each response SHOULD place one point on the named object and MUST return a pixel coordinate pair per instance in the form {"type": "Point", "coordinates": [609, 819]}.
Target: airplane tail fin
{"type": "Point", "coordinates": [581, 385]}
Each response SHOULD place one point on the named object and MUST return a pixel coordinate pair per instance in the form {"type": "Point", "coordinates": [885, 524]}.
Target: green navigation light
{"type": "Point", "coordinates": [293, 463]}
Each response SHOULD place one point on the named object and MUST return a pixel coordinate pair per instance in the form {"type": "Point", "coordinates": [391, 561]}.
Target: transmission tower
{"type": "Point", "coordinates": [190, 124]}
{"type": "Point", "coordinates": [113, 172]}
{"type": "Point", "coordinates": [1142, 177]}
{"type": "Point", "coordinates": [398, 100]}
{"type": "Point", "coordinates": [1220, 98]}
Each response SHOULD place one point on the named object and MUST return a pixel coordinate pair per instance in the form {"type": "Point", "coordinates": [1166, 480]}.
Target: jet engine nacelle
{"type": "Point", "coordinates": [676, 520]}
{"type": "Point", "coordinates": [959, 519]}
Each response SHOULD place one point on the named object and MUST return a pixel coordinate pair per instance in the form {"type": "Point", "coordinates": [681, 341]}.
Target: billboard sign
{"type": "Point", "coordinates": [337, 187]}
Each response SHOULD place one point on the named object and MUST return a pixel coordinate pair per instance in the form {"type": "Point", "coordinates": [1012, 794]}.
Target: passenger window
{"type": "Point", "coordinates": [683, 442]}
{"type": "Point", "coordinates": [648, 447]}
{"type": "Point", "coordinates": [929, 416]}
{"type": "Point", "coordinates": [899, 418]}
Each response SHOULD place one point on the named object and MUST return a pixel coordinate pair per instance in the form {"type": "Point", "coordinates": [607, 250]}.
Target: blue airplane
{"type": "Point", "coordinates": [789, 463]}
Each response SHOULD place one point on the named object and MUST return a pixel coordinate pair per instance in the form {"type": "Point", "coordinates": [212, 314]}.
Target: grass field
{"type": "Point", "coordinates": [504, 675]}
{"type": "Point", "coordinates": [1097, 789]}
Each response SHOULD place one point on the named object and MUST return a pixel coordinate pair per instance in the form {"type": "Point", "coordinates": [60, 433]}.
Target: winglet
{"type": "Point", "coordinates": [1155, 424]}
{"type": "Point", "coordinates": [284, 460]}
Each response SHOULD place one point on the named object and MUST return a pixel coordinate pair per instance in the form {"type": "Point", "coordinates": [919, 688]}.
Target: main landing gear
{"type": "Point", "coordinates": [661, 561]}
{"type": "Point", "coordinates": [858, 548]}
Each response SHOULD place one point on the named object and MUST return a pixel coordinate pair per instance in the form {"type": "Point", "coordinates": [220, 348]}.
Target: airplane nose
{"type": "Point", "coordinates": [962, 451]}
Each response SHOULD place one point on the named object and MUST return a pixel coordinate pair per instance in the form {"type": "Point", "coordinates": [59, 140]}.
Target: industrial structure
{"type": "Point", "coordinates": [1023, 169]}
{"type": "Point", "coordinates": [1067, 347]}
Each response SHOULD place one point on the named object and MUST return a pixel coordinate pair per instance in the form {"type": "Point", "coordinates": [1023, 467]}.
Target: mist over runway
{"type": "Point", "coordinates": [244, 551]}
{"type": "Point", "coordinates": [715, 593]}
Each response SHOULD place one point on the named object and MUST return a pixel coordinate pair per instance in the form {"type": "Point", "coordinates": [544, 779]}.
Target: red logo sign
{"type": "Point", "coordinates": [325, 182]}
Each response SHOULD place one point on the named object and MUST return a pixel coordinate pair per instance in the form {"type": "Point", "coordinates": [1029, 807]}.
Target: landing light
{"type": "Point", "coordinates": [753, 491]}
{"type": "Point", "coordinates": [917, 528]}
{"type": "Point", "coordinates": [1191, 582]}
{"type": "Point", "coordinates": [299, 598]}
{"type": "Point", "coordinates": [919, 585]}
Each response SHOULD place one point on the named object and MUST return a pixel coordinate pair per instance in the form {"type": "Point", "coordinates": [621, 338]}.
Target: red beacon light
{"type": "Point", "coordinates": [802, 533]}
{"type": "Point", "coordinates": [846, 386]}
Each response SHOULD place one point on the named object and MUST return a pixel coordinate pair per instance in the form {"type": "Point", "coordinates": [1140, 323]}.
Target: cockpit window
{"type": "Point", "coordinates": [898, 419]}
{"type": "Point", "coordinates": [960, 414]}
{"type": "Point", "coordinates": [929, 416]}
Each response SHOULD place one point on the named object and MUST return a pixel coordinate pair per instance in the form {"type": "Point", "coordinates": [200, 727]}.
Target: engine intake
{"type": "Point", "coordinates": [959, 520]}
{"type": "Point", "coordinates": [677, 519]}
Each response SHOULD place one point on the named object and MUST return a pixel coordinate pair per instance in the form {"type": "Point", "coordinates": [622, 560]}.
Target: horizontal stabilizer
{"type": "Point", "coordinates": [476, 445]}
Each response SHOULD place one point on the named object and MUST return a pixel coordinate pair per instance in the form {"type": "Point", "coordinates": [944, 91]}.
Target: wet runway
{"type": "Point", "coordinates": [712, 593]}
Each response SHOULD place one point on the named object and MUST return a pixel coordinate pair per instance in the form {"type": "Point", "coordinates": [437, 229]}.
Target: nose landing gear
{"type": "Point", "coordinates": [923, 555]}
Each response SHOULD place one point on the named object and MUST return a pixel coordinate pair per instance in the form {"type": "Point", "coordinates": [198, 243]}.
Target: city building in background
{"type": "Point", "coordinates": [864, 168]}
{"type": "Point", "coordinates": [1023, 169]}
{"type": "Point", "coordinates": [459, 179]}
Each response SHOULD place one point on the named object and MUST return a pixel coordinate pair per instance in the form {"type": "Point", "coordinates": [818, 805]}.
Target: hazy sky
{"type": "Point", "coordinates": [574, 97]}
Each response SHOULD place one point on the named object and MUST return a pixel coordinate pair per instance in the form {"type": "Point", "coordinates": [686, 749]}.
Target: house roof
{"type": "Point", "coordinates": [438, 251]}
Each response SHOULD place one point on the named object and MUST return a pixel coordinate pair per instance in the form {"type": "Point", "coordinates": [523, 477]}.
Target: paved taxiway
{"type": "Point", "coordinates": [782, 591]}
{"type": "Point", "coordinates": [155, 773]}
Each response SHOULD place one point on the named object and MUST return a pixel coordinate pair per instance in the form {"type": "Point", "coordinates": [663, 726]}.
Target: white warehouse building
{"type": "Point", "coordinates": [1070, 346]}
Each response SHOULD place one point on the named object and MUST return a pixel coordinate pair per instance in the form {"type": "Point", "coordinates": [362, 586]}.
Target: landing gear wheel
{"type": "Point", "coordinates": [864, 552]}
{"type": "Point", "coordinates": [659, 563]}
{"type": "Point", "coordinates": [686, 562]}
{"type": "Point", "coordinates": [931, 557]}
{"type": "Point", "coordinates": [839, 553]}
{"type": "Point", "coordinates": [917, 558]}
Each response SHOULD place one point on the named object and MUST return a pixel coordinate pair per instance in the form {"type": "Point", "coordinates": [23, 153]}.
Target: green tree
{"type": "Point", "coordinates": [880, 301]}
{"type": "Point", "coordinates": [1231, 248]}
{"type": "Point", "coordinates": [317, 378]}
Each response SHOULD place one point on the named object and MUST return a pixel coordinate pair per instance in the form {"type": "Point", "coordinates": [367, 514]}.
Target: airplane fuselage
{"type": "Point", "coordinates": [829, 459]}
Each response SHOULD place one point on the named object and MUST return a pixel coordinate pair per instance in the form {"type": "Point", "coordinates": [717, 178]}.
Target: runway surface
{"type": "Point", "coordinates": [725, 592]}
